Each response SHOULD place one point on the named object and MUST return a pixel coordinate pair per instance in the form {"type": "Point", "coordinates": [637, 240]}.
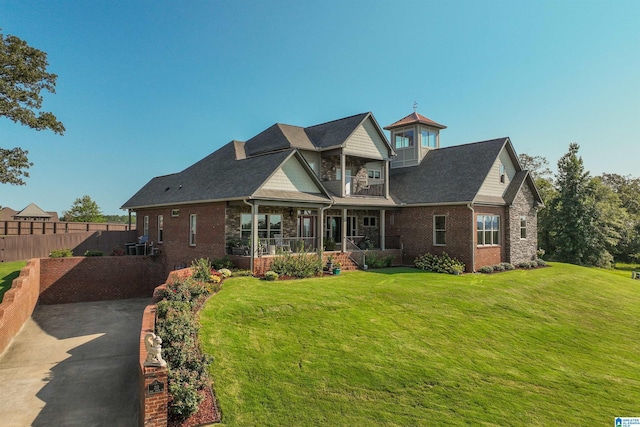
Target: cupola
{"type": "Point", "coordinates": [412, 137]}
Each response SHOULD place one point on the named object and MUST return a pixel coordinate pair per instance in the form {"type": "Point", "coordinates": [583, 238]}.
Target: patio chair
{"type": "Point", "coordinates": [280, 244]}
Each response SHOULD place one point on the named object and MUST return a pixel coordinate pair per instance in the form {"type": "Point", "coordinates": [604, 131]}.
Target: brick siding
{"type": "Point", "coordinates": [414, 225]}
{"type": "Point", "coordinates": [19, 302]}
{"type": "Point", "coordinates": [82, 279]}
{"type": "Point", "coordinates": [175, 250]}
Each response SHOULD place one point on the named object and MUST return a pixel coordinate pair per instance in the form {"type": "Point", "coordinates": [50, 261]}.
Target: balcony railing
{"type": "Point", "coordinates": [357, 189]}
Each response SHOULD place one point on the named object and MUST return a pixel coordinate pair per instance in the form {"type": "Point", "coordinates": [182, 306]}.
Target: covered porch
{"type": "Point", "coordinates": [259, 229]}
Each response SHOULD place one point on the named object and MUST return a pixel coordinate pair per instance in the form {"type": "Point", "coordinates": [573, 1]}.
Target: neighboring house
{"type": "Point", "coordinates": [30, 213]}
{"type": "Point", "coordinates": [340, 184]}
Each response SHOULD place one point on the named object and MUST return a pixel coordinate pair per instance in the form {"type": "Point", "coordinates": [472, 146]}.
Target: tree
{"type": "Point", "coordinates": [23, 75]}
{"type": "Point", "coordinates": [583, 216]}
{"type": "Point", "coordinates": [83, 210]}
{"type": "Point", "coordinates": [536, 165]}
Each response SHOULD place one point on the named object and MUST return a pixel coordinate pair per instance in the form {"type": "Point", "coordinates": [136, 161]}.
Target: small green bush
{"type": "Point", "coordinates": [439, 263]}
{"type": "Point", "coordinates": [300, 265]}
{"type": "Point", "coordinates": [222, 263]}
{"type": "Point", "coordinates": [487, 269]}
{"type": "Point", "coordinates": [524, 264]}
{"type": "Point", "coordinates": [242, 273]}
{"type": "Point", "coordinates": [541, 263]}
{"type": "Point", "coordinates": [375, 261]}
{"type": "Point", "coordinates": [61, 253]}
{"type": "Point", "coordinates": [271, 276]}
{"type": "Point", "coordinates": [201, 270]}
{"type": "Point", "coordinates": [93, 253]}
{"type": "Point", "coordinates": [507, 266]}
{"type": "Point", "coordinates": [498, 267]}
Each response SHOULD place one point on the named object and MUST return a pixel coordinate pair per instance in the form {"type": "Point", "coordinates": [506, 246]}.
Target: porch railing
{"type": "Point", "coordinates": [358, 189]}
{"type": "Point", "coordinates": [276, 245]}
{"type": "Point", "coordinates": [357, 255]}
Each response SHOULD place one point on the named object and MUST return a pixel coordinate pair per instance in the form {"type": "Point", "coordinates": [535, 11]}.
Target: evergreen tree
{"type": "Point", "coordinates": [83, 210]}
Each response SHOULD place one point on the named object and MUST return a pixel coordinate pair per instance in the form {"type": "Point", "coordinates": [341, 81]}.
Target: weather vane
{"type": "Point", "coordinates": [415, 106]}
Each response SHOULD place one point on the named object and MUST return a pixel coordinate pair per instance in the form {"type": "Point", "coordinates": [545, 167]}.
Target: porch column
{"type": "Point", "coordinates": [320, 231]}
{"type": "Point", "coordinates": [385, 167]}
{"type": "Point", "coordinates": [254, 233]}
{"type": "Point", "coordinates": [343, 179]}
{"type": "Point", "coordinates": [382, 229]}
{"type": "Point", "coordinates": [344, 230]}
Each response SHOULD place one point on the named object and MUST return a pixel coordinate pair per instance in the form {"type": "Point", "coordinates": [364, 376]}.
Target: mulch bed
{"type": "Point", "coordinates": [207, 414]}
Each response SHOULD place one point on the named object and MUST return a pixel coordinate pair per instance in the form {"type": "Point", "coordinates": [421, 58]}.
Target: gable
{"type": "Point", "coordinates": [367, 142]}
{"type": "Point", "coordinates": [492, 185]}
{"type": "Point", "coordinates": [291, 176]}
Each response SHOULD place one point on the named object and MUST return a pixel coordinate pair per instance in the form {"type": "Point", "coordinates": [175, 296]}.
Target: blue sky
{"type": "Point", "coordinates": [147, 88]}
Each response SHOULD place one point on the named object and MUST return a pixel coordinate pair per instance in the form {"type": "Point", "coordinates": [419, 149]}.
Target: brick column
{"type": "Point", "coordinates": [154, 393]}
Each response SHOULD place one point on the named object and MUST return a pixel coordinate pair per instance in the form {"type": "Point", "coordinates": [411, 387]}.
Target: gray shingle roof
{"type": "Point", "coordinates": [446, 175]}
{"type": "Point", "coordinates": [216, 177]}
{"type": "Point", "coordinates": [334, 133]}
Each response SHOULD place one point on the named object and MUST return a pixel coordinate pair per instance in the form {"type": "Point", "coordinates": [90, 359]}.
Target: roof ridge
{"type": "Point", "coordinates": [337, 120]}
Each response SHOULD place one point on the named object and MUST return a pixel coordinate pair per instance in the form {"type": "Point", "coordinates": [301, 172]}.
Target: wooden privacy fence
{"type": "Point", "coordinates": [23, 247]}
{"type": "Point", "coordinates": [20, 228]}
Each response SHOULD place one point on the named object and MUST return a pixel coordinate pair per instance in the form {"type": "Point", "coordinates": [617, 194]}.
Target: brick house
{"type": "Point", "coordinates": [342, 186]}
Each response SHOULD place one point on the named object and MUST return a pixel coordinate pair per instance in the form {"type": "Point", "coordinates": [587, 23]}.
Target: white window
{"type": "Point", "coordinates": [175, 212]}
{"type": "Point", "coordinates": [145, 226]}
{"type": "Point", "coordinates": [268, 226]}
{"type": "Point", "coordinates": [369, 221]}
{"type": "Point", "coordinates": [523, 227]}
{"type": "Point", "coordinates": [502, 174]}
{"type": "Point", "coordinates": [403, 138]}
{"type": "Point", "coordinates": [428, 138]}
{"type": "Point", "coordinates": [192, 230]}
{"type": "Point", "coordinates": [160, 228]}
{"type": "Point", "coordinates": [374, 173]}
{"type": "Point", "coordinates": [439, 230]}
{"type": "Point", "coordinates": [488, 230]}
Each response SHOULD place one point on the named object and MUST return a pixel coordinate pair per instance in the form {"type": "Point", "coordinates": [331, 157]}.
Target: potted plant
{"type": "Point", "coordinates": [337, 267]}
{"type": "Point", "coordinates": [330, 263]}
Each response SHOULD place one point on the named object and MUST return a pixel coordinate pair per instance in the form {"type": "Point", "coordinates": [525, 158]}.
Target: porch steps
{"type": "Point", "coordinates": [341, 257]}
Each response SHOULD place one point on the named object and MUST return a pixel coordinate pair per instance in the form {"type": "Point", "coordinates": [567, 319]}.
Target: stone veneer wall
{"type": "Point", "coordinates": [518, 249]}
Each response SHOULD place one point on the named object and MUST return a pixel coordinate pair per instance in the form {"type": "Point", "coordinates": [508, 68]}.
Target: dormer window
{"type": "Point", "coordinates": [403, 138]}
{"type": "Point", "coordinates": [502, 174]}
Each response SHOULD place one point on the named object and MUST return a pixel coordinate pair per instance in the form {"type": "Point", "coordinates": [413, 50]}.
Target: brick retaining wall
{"type": "Point", "coordinates": [19, 302]}
{"type": "Point", "coordinates": [83, 279]}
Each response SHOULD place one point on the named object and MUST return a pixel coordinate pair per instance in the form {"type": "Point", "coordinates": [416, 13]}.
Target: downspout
{"type": "Point", "coordinates": [473, 236]}
{"type": "Point", "coordinates": [254, 233]}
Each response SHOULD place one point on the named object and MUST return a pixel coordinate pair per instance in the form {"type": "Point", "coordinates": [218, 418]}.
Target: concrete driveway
{"type": "Point", "coordinates": [74, 365]}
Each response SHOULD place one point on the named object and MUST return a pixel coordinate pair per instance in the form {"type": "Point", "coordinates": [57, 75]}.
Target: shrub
{"type": "Point", "coordinates": [507, 266]}
{"type": "Point", "coordinates": [301, 265]}
{"type": "Point", "coordinates": [185, 394]}
{"type": "Point", "coordinates": [222, 263]}
{"type": "Point", "coordinates": [541, 263]}
{"type": "Point", "coordinates": [178, 327]}
{"type": "Point", "coordinates": [439, 263]}
{"type": "Point", "coordinates": [487, 269]}
{"type": "Point", "coordinates": [93, 253]}
{"type": "Point", "coordinates": [225, 272]}
{"type": "Point", "coordinates": [242, 273]}
{"type": "Point", "coordinates": [271, 276]}
{"type": "Point", "coordinates": [375, 261]}
{"type": "Point", "coordinates": [540, 252]}
{"type": "Point", "coordinates": [61, 253]}
{"type": "Point", "coordinates": [201, 270]}
{"type": "Point", "coordinates": [524, 264]}
{"type": "Point", "coordinates": [498, 267]}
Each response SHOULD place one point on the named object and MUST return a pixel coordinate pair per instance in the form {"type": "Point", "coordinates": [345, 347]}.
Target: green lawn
{"type": "Point", "coordinates": [401, 347]}
{"type": "Point", "coordinates": [8, 272]}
